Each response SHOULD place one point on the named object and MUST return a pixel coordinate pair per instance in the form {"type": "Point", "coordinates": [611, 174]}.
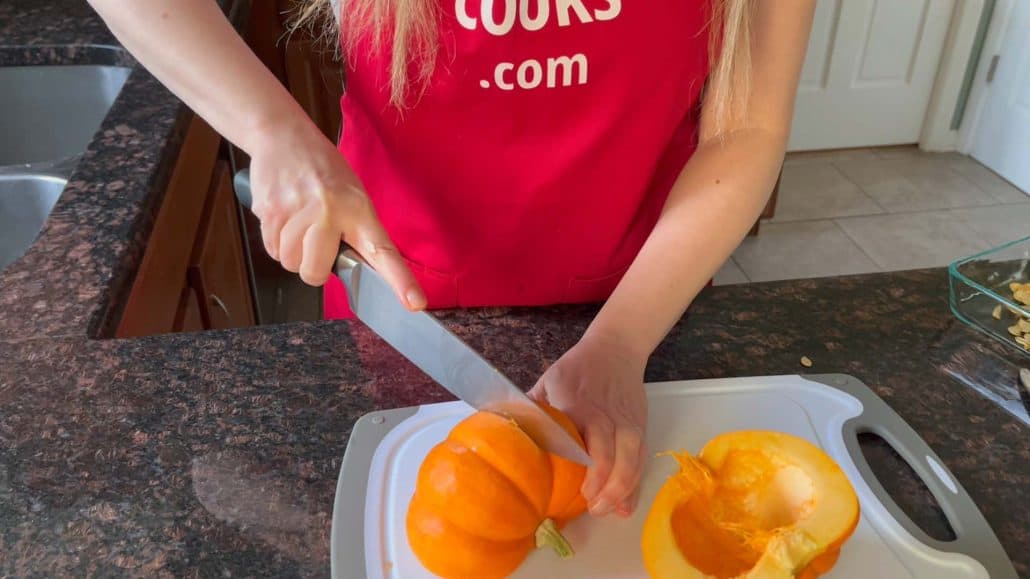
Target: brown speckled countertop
{"type": "Point", "coordinates": [216, 454]}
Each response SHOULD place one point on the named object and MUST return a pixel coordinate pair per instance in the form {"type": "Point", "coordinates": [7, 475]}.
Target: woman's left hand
{"type": "Point", "coordinates": [600, 385]}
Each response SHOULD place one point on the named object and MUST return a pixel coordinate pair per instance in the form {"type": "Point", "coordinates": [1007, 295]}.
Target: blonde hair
{"type": "Point", "coordinates": [410, 29]}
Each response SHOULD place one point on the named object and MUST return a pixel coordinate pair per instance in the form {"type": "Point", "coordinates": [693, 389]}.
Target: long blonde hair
{"type": "Point", "coordinates": [409, 28]}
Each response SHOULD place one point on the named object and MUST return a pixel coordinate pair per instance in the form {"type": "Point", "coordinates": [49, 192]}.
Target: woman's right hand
{"type": "Point", "coordinates": [308, 199]}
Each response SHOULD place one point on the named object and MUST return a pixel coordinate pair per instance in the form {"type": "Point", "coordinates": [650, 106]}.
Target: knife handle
{"type": "Point", "coordinates": [346, 260]}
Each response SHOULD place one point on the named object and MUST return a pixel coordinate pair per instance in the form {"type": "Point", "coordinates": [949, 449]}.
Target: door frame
{"type": "Point", "coordinates": [980, 90]}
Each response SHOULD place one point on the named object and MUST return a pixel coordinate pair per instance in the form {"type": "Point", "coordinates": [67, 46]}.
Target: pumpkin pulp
{"type": "Point", "coordinates": [752, 504]}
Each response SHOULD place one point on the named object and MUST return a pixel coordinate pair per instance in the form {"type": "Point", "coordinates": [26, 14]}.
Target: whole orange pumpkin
{"type": "Point", "coordinates": [487, 495]}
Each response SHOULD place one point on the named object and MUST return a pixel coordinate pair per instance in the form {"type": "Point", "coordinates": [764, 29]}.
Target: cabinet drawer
{"type": "Point", "coordinates": [218, 269]}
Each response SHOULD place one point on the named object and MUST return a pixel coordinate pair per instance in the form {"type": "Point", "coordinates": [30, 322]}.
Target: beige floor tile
{"type": "Point", "coordinates": [1001, 190]}
{"type": "Point", "coordinates": [820, 191]}
{"type": "Point", "coordinates": [800, 250]}
{"type": "Point", "coordinates": [914, 184]}
{"type": "Point", "coordinates": [729, 274]}
{"type": "Point", "coordinates": [998, 224]}
{"type": "Point", "coordinates": [913, 240]}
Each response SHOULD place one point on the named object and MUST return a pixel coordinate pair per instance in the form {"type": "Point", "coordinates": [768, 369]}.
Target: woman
{"type": "Point", "coordinates": [514, 152]}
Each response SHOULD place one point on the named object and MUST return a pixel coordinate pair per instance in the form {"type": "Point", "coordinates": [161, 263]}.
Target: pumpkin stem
{"type": "Point", "coordinates": [548, 534]}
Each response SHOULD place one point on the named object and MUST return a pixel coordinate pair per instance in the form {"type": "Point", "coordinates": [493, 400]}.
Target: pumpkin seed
{"type": "Point", "coordinates": [996, 314]}
{"type": "Point", "coordinates": [1015, 331]}
{"type": "Point", "coordinates": [806, 361]}
{"type": "Point", "coordinates": [1023, 296]}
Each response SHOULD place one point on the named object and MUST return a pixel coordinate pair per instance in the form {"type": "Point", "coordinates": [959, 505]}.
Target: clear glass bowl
{"type": "Point", "coordinates": [980, 283]}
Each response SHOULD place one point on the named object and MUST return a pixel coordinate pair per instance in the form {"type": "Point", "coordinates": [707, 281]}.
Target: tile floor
{"type": "Point", "coordinates": [868, 210]}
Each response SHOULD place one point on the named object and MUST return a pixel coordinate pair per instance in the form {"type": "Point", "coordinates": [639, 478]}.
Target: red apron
{"type": "Point", "coordinates": [536, 163]}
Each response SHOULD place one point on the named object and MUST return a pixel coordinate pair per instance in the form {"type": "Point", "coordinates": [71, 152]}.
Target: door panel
{"type": "Point", "coordinates": [869, 72]}
{"type": "Point", "coordinates": [816, 70]}
{"type": "Point", "coordinates": [889, 53]}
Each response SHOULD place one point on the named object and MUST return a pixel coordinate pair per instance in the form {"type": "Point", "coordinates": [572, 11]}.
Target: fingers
{"type": "Point", "coordinates": [600, 438]}
{"type": "Point", "coordinates": [270, 228]}
{"type": "Point", "coordinates": [320, 246]}
{"type": "Point", "coordinates": [618, 457]}
{"type": "Point", "coordinates": [629, 505]}
{"type": "Point", "coordinates": [375, 246]}
{"type": "Point", "coordinates": [291, 241]}
{"type": "Point", "coordinates": [304, 237]}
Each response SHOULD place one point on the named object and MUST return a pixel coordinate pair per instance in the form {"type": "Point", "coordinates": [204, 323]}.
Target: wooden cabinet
{"type": "Point", "coordinates": [218, 270]}
{"type": "Point", "coordinates": [154, 302]}
{"type": "Point", "coordinates": [193, 275]}
{"type": "Point", "coordinates": [189, 318]}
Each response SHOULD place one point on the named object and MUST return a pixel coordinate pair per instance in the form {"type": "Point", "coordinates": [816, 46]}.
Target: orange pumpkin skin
{"type": "Point", "coordinates": [567, 502]}
{"type": "Point", "coordinates": [482, 494]}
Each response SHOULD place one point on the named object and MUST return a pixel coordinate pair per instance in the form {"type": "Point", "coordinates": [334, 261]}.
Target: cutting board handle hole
{"type": "Point", "coordinates": [900, 480]}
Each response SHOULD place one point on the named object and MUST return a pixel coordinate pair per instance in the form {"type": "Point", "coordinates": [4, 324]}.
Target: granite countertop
{"type": "Point", "coordinates": [217, 453]}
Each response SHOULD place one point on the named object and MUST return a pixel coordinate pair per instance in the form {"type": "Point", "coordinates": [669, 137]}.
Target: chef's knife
{"type": "Point", "coordinates": [448, 360]}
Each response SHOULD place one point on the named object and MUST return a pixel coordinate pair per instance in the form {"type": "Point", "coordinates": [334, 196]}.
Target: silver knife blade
{"type": "Point", "coordinates": [447, 359]}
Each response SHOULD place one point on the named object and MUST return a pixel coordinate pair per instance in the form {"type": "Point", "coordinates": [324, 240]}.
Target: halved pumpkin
{"type": "Point", "coordinates": [752, 504]}
{"type": "Point", "coordinates": [487, 495]}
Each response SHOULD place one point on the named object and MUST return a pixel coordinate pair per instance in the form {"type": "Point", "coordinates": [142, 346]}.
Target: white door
{"type": "Point", "coordinates": [869, 72]}
{"type": "Point", "coordinates": [1002, 138]}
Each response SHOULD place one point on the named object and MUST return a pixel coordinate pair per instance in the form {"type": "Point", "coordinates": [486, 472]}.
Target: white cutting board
{"type": "Point", "coordinates": [683, 416]}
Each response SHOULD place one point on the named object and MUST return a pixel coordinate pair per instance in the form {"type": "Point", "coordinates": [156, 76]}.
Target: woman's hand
{"type": "Point", "coordinates": [601, 387]}
{"type": "Point", "coordinates": [308, 199]}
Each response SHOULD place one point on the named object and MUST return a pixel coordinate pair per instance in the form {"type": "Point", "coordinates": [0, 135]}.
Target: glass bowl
{"type": "Point", "coordinates": [981, 295]}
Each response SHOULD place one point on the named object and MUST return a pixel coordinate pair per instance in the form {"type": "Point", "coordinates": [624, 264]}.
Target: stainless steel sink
{"type": "Point", "coordinates": [49, 113]}
{"type": "Point", "coordinates": [25, 204]}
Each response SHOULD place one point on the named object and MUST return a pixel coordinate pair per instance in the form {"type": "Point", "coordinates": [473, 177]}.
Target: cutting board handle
{"type": "Point", "coordinates": [974, 536]}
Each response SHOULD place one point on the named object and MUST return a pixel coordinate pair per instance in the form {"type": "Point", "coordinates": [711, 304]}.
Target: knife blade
{"type": "Point", "coordinates": [446, 358]}
{"type": "Point", "coordinates": [443, 356]}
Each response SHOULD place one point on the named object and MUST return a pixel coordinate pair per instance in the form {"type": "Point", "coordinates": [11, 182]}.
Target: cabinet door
{"type": "Point", "coordinates": [157, 291]}
{"type": "Point", "coordinates": [218, 271]}
{"type": "Point", "coordinates": [189, 318]}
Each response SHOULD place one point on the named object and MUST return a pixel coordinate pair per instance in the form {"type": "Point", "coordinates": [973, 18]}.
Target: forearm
{"type": "Point", "coordinates": [714, 202]}
{"type": "Point", "coordinates": [192, 49]}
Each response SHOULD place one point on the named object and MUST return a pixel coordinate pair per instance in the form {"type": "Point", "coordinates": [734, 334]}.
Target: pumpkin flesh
{"type": "Point", "coordinates": [751, 504]}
